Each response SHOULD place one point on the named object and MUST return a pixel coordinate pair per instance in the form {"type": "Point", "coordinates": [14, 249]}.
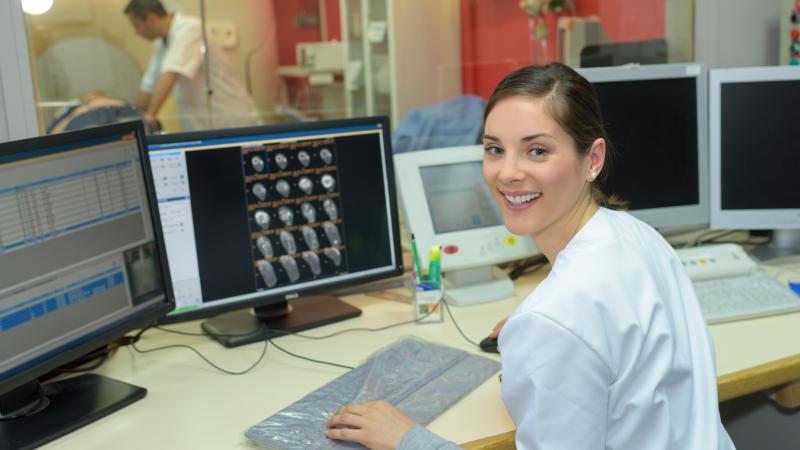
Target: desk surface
{"type": "Point", "coordinates": [191, 405]}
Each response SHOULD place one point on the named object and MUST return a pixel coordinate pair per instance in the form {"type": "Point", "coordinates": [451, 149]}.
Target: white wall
{"type": "Point", "coordinates": [17, 109]}
{"type": "Point", "coordinates": [737, 33]}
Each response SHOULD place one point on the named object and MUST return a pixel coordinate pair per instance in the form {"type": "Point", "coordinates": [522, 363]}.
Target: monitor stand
{"type": "Point", "coordinates": [258, 324]}
{"type": "Point", "coordinates": [783, 243]}
{"type": "Point", "coordinates": [477, 285]}
{"type": "Point", "coordinates": [34, 414]}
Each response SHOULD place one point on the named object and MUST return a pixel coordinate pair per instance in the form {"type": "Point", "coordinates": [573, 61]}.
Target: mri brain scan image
{"type": "Point", "coordinates": [326, 155]}
{"type": "Point", "coordinates": [258, 163]}
{"type": "Point", "coordinates": [306, 185]}
{"type": "Point", "coordinates": [304, 158]}
{"type": "Point", "coordinates": [290, 266]}
{"type": "Point", "coordinates": [283, 188]}
{"type": "Point", "coordinates": [328, 182]}
{"type": "Point", "coordinates": [264, 246]}
{"type": "Point", "coordinates": [312, 260]}
{"type": "Point", "coordinates": [260, 191]}
{"type": "Point", "coordinates": [282, 161]}
{"type": "Point", "coordinates": [308, 212]}
{"type": "Point", "coordinates": [288, 243]}
{"type": "Point", "coordinates": [262, 219]}
{"type": "Point", "coordinates": [286, 215]}
{"type": "Point", "coordinates": [310, 236]}
{"type": "Point", "coordinates": [267, 273]}
{"type": "Point", "coordinates": [334, 255]}
{"type": "Point", "coordinates": [330, 209]}
{"type": "Point", "coordinates": [332, 233]}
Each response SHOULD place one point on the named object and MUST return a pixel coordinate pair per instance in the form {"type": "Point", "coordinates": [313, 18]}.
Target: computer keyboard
{"type": "Point", "coordinates": [744, 297]}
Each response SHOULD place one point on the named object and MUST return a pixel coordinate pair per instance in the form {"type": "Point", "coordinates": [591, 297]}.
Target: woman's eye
{"type": "Point", "coordinates": [493, 150]}
{"type": "Point", "coordinates": [538, 151]}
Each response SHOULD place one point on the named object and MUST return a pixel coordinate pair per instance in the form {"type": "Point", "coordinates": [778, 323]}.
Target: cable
{"type": "Point", "coordinates": [450, 313]}
{"type": "Point", "coordinates": [534, 262]}
{"type": "Point", "coordinates": [307, 358]}
{"type": "Point", "coordinates": [133, 340]}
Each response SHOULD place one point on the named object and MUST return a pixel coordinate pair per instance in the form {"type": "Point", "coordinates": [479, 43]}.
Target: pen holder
{"type": "Point", "coordinates": [428, 302]}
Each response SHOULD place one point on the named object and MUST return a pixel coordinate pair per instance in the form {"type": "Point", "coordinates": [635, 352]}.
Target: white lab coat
{"type": "Point", "coordinates": [231, 105]}
{"type": "Point", "coordinates": [611, 350]}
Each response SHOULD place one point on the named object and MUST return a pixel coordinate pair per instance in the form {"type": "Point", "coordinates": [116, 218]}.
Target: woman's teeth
{"type": "Point", "coordinates": [520, 199]}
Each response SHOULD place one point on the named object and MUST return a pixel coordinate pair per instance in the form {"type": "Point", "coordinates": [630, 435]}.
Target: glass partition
{"type": "Point", "coordinates": [427, 65]}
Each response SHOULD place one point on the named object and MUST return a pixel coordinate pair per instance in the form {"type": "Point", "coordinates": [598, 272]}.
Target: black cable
{"type": "Point", "coordinates": [203, 357]}
{"type": "Point", "coordinates": [307, 358]}
{"type": "Point", "coordinates": [450, 313]}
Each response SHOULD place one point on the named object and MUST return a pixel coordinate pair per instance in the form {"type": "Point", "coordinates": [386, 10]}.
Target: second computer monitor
{"type": "Point", "coordinates": [655, 117]}
{"type": "Point", "coordinates": [256, 216]}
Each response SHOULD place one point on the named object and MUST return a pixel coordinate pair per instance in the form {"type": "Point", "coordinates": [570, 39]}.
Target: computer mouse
{"type": "Point", "coordinates": [489, 345]}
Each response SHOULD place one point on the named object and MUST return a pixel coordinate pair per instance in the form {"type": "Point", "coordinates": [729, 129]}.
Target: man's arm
{"type": "Point", "coordinates": [143, 100]}
{"type": "Point", "coordinates": [164, 84]}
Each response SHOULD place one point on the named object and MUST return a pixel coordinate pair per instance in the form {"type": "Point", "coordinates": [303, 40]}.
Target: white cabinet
{"type": "Point", "coordinates": [400, 55]}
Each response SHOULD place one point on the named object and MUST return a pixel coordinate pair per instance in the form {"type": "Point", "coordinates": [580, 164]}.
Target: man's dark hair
{"type": "Point", "coordinates": [140, 8]}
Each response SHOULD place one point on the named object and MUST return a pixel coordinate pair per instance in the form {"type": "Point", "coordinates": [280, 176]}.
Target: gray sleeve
{"type": "Point", "coordinates": [419, 438]}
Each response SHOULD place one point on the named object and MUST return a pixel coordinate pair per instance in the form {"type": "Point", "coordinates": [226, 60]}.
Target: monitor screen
{"type": "Point", "coordinates": [754, 148]}
{"type": "Point", "coordinates": [448, 204]}
{"type": "Point", "coordinates": [655, 119]}
{"type": "Point", "coordinates": [262, 214]}
{"type": "Point", "coordinates": [79, 253]}
{"type": "Point", "coordinates": [458, 198]}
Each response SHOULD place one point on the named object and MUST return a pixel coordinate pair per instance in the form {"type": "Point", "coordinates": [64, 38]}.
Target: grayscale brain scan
{"type": "Point", "coordinates": [330, 209]}
{"type": "Point", "coordinates": [260, 191]}
{"type": "Point", "coordinates": [304, 158]}
{"type": "Point", "coordinates": [262, 219]}
{"type": "Point", "coordinates": [308, 212]}
{"type": "Point", "coordinates": [267, 273]}
{"type": "Point", "coordinates": [332, 233]}
{"type": "Point", "coordinates": [290, 266]}
{"type": "Point", "coordinates": [328, 182]}
{"type": "Point", "coordinates": [334, 255]}
{"type": "Point", "coordinates": [326, 155]}
{"type": "Point", "coordinates": [306, 185]}
{"type": "Point", "coordinates": [264, 246]}
{"type": "Point", "coordinates": [286, 215]}
{"type": "Point", "coordinates": [310, 237]}
{"type": "Point", "coordinates": [283, 188]}
{"type": "Point", "coordinates": [258, 163]}
{"type": "Point", "coordinates": [287, 241]}
{"type": "Point", "coordinates": [282, 161]}
{"type": "Point", "coordinates": [312, 260]}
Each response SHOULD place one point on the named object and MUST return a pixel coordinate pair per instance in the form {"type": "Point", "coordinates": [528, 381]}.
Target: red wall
{"type": "Point", "coordinates": [289, 33]}
{"type": "Point", "coordinates": [495, 38]}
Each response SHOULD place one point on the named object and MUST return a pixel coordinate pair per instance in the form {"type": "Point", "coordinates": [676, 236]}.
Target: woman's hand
{"type": "Point", "coordinates": [496, 332]}
{"type": "Point", "coordinates": [375, 425]}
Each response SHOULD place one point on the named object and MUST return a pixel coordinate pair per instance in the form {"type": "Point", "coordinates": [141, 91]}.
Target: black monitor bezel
{"type": "Point", "coordinates": [210, 309]}
{"type": "Point", "coordinates": [142, 318]}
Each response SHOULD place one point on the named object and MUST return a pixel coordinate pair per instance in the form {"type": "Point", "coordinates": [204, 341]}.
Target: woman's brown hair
{"type": "Point", "coordinates": [571, 101]}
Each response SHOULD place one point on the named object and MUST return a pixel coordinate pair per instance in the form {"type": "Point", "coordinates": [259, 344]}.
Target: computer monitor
{"type": "Point", "coordinates": [80, 259]}
{"type": "Point", "coordinates": [754, 150]}
{"type": "Point", "coordinates": [446, 202]}
{"type": "Point", "coordinates": [656, 119]}
{"type": "Point", "coordinates": [254, 217]}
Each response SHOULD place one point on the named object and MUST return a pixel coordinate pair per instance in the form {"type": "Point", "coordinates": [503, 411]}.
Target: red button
{"type": "Point", "coordinates": [795, 33]}
{"type": "Point", "coordinates": [450, 249]}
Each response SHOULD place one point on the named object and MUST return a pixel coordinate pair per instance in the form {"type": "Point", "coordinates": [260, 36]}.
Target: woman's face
{"type": "Point", "coordinates": [531, 166]}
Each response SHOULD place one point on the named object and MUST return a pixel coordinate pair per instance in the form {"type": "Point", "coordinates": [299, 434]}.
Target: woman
{"type": "Point", "coordinates": [611, 350]}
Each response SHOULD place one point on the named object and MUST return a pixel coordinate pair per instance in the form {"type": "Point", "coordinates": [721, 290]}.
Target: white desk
{"type": "Point", "coordinates": [189, 405]}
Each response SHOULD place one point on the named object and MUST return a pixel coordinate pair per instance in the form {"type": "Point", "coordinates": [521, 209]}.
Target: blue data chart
{"type": "Point", "coordinates": [49, 302]}
{"type": "Point", "coordinates": [39, 210]}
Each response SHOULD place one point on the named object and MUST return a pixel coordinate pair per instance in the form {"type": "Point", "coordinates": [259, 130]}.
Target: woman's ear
{"type": "Point", "coordinates": [597, 158]}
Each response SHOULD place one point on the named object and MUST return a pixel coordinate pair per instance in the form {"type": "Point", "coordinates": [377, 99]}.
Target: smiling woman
{"type": "Point", "coordinates": [610, 350]}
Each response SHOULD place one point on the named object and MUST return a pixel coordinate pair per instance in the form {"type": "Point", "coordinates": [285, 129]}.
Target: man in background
{"type": "Point", "coordinates": [177, 66]}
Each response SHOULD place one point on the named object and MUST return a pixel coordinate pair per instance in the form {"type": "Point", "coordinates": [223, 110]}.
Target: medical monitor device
{"type": "Point", "coordinates": [655, 117]}
{"type": "Point", "coordinates": [446, 202]}
{"type": "Point", "coordinates": [754, 151]}
{"type": "Point", "coordinates": [256, 217]}
{"type": "Point", "coordinates": [80, 258]}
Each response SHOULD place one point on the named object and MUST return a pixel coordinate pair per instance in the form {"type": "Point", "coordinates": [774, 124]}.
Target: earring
{"type": "Point", "coordinates": [594, 175]}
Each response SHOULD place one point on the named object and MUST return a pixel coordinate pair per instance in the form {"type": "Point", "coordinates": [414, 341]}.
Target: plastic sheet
{"type": "Point", "coordinates": [421, 378]}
